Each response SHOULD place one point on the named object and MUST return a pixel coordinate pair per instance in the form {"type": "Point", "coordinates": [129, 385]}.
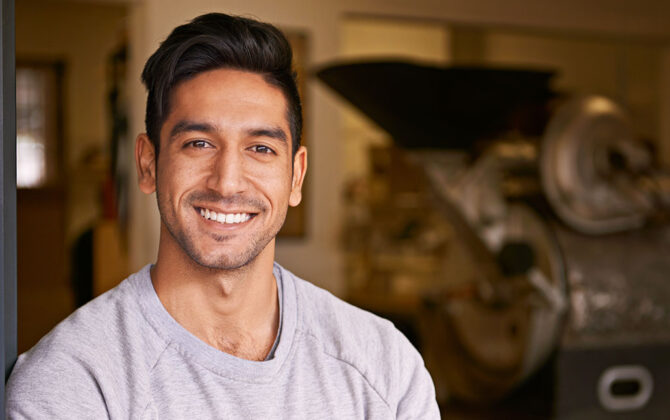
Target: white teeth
{"type": "Point", "coordinates": [225, 218]}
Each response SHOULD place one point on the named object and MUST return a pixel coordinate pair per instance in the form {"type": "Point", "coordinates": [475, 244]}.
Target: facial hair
{"type": "Point", "coordinates": [187, 237]}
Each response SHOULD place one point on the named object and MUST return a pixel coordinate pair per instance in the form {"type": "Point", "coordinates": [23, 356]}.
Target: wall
{"type": "Point", "coordinates": [81, 36]}
{"type": "Point", "coordinates": [318, 258]}
{"type": "Point", "coordinates": [626, 71]}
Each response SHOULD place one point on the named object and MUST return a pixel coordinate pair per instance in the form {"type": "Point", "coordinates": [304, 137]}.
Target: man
{"type": "Point", "coordinates": [216, 329]}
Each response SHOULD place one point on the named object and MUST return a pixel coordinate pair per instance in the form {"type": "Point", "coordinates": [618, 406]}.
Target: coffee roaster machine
{"type": "Point", "coordinates": [563, 215]}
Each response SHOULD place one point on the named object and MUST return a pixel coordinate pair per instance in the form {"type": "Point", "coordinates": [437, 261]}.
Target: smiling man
{"type": "Point", "coordinates": [215, 328]}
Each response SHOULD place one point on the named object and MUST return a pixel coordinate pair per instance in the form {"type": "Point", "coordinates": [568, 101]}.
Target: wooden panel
{"type": "Point", "coordinates": [110, 258]}
{"type": "Point", "coordinates": [44, 292]}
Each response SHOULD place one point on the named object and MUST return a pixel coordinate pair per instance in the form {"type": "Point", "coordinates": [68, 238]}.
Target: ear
{"type": "Point", "coordinates": [299, 170]}
{"type": "Point", "coordinates": [145, 161]}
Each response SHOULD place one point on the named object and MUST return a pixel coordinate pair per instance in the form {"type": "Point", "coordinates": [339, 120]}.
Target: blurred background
{"type": "Point", "coordinates": [491, 176]}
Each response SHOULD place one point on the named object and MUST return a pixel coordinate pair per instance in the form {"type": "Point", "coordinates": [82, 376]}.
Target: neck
{"type": "Point", "coordinates": [235, 311]}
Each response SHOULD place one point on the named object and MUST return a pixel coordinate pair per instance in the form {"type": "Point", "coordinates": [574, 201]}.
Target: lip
{"type": "Point", "coordinates": [225, 211]}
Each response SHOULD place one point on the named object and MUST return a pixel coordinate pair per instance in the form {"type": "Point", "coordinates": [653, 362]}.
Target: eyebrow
{"type": "Point", "coordinates": [274, 133]}
{"type": "Point", "coordinates": [188, 126]}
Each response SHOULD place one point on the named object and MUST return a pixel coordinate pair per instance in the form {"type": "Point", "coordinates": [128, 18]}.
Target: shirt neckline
{"type": "Point", "coordinates": [219, 362]}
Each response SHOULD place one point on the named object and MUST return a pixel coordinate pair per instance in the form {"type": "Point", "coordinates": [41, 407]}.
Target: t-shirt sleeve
{"type": "Point", "coordinates": [415, 391]}
{"type": "Point", "coordinates": [53, 385]}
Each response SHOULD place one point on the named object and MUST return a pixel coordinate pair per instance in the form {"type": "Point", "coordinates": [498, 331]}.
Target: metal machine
{"type": "Point", "coordinates": [560, 214]}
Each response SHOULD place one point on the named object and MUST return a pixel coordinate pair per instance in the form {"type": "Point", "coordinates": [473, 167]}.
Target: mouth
{"type": "Point", "coordinates": [225, 218]}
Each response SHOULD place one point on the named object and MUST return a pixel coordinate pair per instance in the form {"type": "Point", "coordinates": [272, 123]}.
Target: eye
{"type": "Point", "coordinates": [262, 149]}
{"type": "Point", "coordinates": [198, 144]}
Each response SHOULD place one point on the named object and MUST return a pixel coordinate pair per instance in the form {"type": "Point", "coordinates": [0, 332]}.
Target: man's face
{"type": "Point", "coordinates": [224, 174]}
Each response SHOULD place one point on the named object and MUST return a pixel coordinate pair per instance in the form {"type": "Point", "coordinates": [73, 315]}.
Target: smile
{"type": "Point", "coordinates": [225, 218]}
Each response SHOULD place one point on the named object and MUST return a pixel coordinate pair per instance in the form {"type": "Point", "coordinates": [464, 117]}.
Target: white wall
{"type": "Point", "coordinates": [317, 257]}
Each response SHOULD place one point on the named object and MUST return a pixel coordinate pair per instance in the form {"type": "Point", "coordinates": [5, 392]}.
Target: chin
{"type": "Point", "coordinates": [223, 264]}
{"type": "Point", "coordinates": [220, 252]}
{"type": "Point", "coordinates": [219, 260]}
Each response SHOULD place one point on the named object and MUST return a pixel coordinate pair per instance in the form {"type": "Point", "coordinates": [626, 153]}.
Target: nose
{"type": "Point", "coordinates": [227, 175]}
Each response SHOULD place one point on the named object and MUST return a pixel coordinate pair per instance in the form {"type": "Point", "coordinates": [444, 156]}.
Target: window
{"type": "Point", "coordinates": [37, 125]}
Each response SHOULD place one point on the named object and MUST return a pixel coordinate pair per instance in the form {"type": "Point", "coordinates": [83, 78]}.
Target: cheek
{"type": "Point", "coordinates": [176, 178]}
{"type": "Point", "coordinates": [275, 181]}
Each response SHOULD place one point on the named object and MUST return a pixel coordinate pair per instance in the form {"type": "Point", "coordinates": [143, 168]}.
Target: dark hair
{"type": "Point", "coordinates": [214, 41]}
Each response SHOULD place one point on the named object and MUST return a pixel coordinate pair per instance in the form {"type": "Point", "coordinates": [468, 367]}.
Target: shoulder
{"type": "Point", "coordinates": [72, 365]}
{"type": "Point", "coordinates": [342, 329]}
{"type": "Point", "coordinates": [98, 327]}
{"type": "Point", "coordinates": [369, 344]}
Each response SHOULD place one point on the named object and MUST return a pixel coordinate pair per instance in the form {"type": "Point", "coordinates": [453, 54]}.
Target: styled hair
{"type": "Point", "coordinates": [215, 41]}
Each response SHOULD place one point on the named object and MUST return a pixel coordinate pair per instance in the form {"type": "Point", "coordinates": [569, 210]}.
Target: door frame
{"type": "Point", "coordinates": [7, 191]}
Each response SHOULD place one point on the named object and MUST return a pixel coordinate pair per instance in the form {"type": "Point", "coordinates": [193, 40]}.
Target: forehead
{"type": "Point", "coordinates": [227, 96]}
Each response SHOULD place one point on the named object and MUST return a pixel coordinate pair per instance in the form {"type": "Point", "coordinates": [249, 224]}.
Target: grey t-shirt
{"type": "Point", "coordinates": [123, 356]}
